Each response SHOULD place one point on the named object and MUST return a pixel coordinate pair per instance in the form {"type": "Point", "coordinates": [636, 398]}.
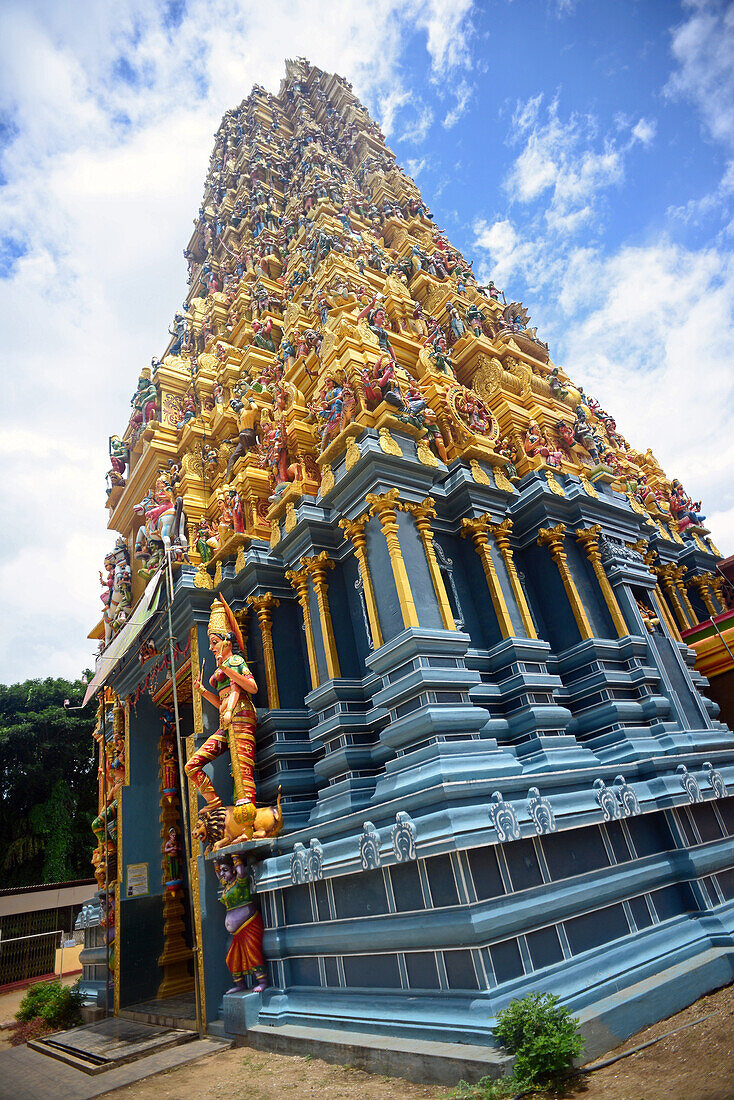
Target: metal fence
{"type": "Point", "coordinates": [28, 943]}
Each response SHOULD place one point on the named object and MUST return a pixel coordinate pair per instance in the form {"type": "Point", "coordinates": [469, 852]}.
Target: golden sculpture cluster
{"type": "Point", "coordinates": [324, 301]}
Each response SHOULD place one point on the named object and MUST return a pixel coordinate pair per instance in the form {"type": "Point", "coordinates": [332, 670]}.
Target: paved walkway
{"type": "Point", "coordinates": [27, 1074]}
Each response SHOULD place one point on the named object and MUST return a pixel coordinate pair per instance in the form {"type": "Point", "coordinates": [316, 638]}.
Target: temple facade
{"type": "Point", "coordinates": [391, 657]}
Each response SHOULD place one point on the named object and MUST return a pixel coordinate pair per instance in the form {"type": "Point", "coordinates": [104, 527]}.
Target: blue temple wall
{"type": "Point", "coordinates": [139, 923]}
{"type": "Point", "coordinates": [470, 817]}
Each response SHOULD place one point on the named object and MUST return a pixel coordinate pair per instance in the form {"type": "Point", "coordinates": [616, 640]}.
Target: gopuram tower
{"type": "Point", "coordinates": [460, 593]}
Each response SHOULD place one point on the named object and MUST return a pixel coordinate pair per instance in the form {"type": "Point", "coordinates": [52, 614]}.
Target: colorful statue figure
{"type": "Point", "coordinates": [380, 383]}
{"type": "Point", "coordinates": [234, 685]}
{"type": "Point", "coordinates": [456, 325]}
{"type": "Point", "coordinates": [440, 355]}
{"type": "Point", "coordinates": [207, 542]}
{"type": "Point", "coordinates": [330, 410]}
{"type": "Point", "coordinates": [558, 390]}
{"type": "Point", "coordinates": [248, 417]}
{"type": "Point", "coordinates": [682, 508]}
{"type": "Point", "coordinates": [377, 319]}
{"type": "Point", "coordinates": [119, 458]}
{"type": "Point", "coordinates": [583, 434]}
{"type": "Point", "coordinates": [172, 852]}
{"type": "Point", "coordinates": [244, 924]}
{"type": "Point", "coordinates": [262, 337]}
{"type": "Point", "coordinates": [536, 445]}
{"type": "Point", "coordinates": [507, 450]}
{"type": "Point", "coordinates": [117, 595]}
{"type": "Point", "coordinates": [474, 319]}
{"type": "Point", "coordinates": [144, 403]}
{"type": "Point", "coordinates": [474, 413]}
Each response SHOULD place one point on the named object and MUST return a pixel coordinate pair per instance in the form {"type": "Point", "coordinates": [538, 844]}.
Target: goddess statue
{"type": "Point", "coordinates": [234, 685]}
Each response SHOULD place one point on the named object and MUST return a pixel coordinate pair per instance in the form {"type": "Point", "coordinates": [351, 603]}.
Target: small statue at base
{"type": "Point", "coordinates": [244, 924]}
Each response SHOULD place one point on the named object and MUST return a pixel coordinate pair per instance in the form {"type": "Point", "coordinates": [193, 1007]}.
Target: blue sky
{"type": "Point", "coordinates": [580, 152]}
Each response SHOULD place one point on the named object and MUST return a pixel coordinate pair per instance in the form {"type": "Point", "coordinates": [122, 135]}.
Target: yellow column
{"type": "Point", "coordinates": [702, 585]}
{"type": "Point", "coordinates": [264, 609]}
{"type": "Point", "coordinates": [553, 537]}
{"type": "Point", "coordinates": [589, 539]}
{"type": "Point", "coordinates": [478, 530]}
{"type": "Point", "coordinates": [299, 580]}
{"type": "Point", "coordinates": [648, 557]}
{"type": "Point", "coordinates": [718, 588]}
{"type": "Point", "coordinates": [501, 532]}
{"type": "Point", "coordinates": [679, 573]}
{"type": "Point", "coordinates": [354, 531]}
{"type": "Point", "coordinates": [384, 506]}
{"type": "Point", "coordinates": [665, 612]}
{"type": "Point", "coordinates": [423, 513]}
{"type": "Point", "coordinates": [668, 581]}
{"type": "Point", "coordinates": [317, 567]}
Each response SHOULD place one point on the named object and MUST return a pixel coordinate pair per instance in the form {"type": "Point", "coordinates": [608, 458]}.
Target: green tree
{"type": "Point", "coordinates": [48, 789]}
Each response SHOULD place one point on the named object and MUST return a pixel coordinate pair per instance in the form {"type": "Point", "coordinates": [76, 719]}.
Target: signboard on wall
{"type": "Point", "coordinates": [137, 880]}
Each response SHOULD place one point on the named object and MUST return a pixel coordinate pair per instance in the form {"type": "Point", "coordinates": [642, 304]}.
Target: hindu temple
{"type": "Point", "coordinates": [396, 719]}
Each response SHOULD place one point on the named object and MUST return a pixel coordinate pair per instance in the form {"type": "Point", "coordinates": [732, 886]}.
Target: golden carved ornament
{"type": "Point", "coordinates": [478, 473]}
{"type": "Point", "coordinates": [353, 453]}
{"type": "Point", "coordinates": [425, 454]}
{"type": "Point", "coordinates": [274, 535]}
{"type": "Point", "coordinates": [239, 564]}
{"type": "Point", "coordinates": [587, 486]}
{"type": "Point", "coordinates": [291, 519]}
{"type": "Point", "coordinates": [218, 575]}
{"type": "Point", "coordinates": [553, 485]}
{"type": "Point", "coordinates": [487, 380]}
{"type": "Point", "coordinates": [503, 482]}
{"type": "Point", "coordinates": [388, 444]}
{"type": "Point", "coordinates": [327, 480]}
{"type": "Point", "coordinates": [202, 578]}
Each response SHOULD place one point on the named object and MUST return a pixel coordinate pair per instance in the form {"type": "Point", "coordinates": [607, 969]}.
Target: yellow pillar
{"type": "Point", "coordinates": [702, 585]}
{"type": "Point", "coordinates": [679, 572]}
{"type": "Point", "coordinates": [317, 567]}
{"type": "Point", "coordinates": [264, 609]}
{"type": "Point", "coordinates": [423, 513]}
{"type": "Point", "coordinates": [668, 581]}
{"type": "Point", "coordinates": [478, 529]}
{"type": "Point", "coordinates": [354, 531]}
{"type": "Point", "coordinates": [589, 538]}
{"type": "Point", "coordinates": [501, 533]}
{"type": "Point", "coordinates": [385, 506]}
{"type": "Point", "coordinates": [665, 612]}
{"type": "Point", "coordinates": [299, 580]}
{"type": "Point", "coordinates": [553, 537]}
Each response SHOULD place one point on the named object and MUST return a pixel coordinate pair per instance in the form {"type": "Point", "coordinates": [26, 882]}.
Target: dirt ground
{"type": "Point", "coordinates": [695, 1064]}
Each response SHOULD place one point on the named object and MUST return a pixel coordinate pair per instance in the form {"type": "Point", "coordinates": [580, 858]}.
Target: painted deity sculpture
{"type": "Point", "coordinates": [233, 685]}
{"type": "Point", "coordinates": [248, 418]}
{"type": "Point", "coordinates": [244, 924]}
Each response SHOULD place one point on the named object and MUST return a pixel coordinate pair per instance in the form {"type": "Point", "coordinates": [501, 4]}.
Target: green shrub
{"type": "Point", "coordinates": [57, 1005]}
{"type": "Point", "coordinates": [542, 1035]}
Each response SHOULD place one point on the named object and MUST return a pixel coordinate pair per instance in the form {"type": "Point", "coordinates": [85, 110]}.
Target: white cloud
{"type": "Point", "coordinates": [647, 329]}
{"type": "Point", "coordinates": [464, 93]}
{"type": "Point", "coordinates": [703, 47]}
{"type": "Point", "coordinates": [110, 112]}
{"type": "Point", "coordinates": [566, 160]}
{"type": "Point", "coordinates": [644, 130]}
{"type": "Point", "coordinates": [447, 27]}
{"type": "Point", "coordinates": [416, 129]}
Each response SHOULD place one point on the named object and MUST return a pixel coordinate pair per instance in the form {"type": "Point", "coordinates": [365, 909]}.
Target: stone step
{"type": "Point", "coordinates": [419, 1060]}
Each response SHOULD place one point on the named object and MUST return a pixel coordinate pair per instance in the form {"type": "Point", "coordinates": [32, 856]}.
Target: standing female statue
{"type": "Point", "coordinates": [233, 685]}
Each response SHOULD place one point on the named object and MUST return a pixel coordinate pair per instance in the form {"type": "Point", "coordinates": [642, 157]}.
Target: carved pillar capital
{"type": "Point", "coordinates": [553, 537]}
{"type": "Point", "coordinates": [385, 506]}
{"type": "Point", "coordinates": [588, 538]}
{"type": "Point", "coordinates": [354, 531]}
